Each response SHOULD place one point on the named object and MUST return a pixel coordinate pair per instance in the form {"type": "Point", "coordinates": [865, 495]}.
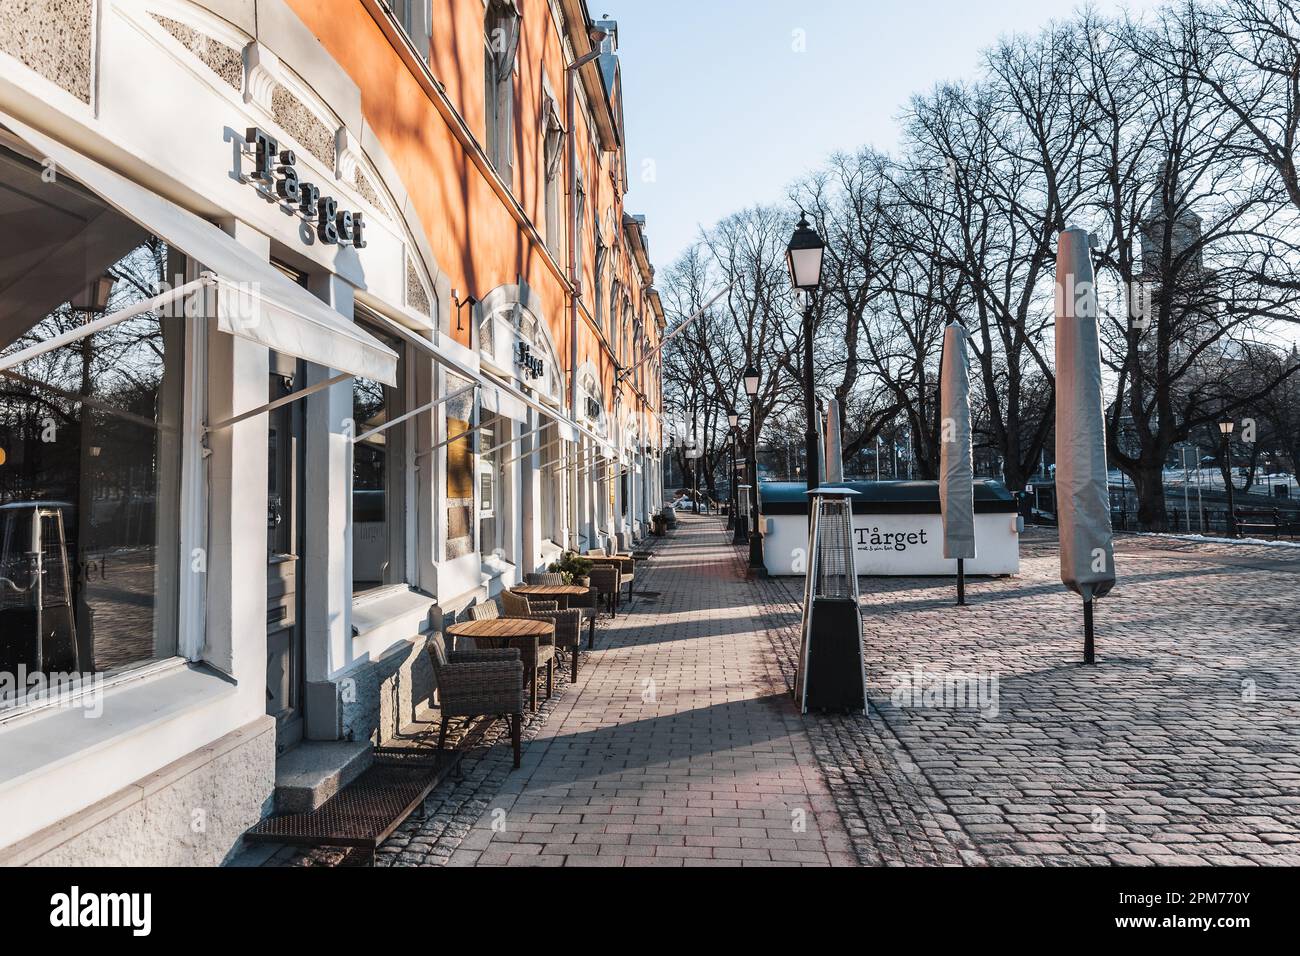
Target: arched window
{"type": "Point", "coordinates": [505, 329]}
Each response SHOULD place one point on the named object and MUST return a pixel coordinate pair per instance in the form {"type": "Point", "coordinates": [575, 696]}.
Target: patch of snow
{"type": "Point", "coordinates": [1206, 539]}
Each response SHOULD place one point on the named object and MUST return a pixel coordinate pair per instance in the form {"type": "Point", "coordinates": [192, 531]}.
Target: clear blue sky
{"type": "Point", "coordinates": [719, 101]}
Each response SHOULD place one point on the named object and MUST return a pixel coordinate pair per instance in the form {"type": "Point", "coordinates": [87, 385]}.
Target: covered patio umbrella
{"type": "Point", "coordinates": [956, 470]}
{"type": "Point", "coordinates": [1082, 492]}
{"type": "Point", "coordinates": [832, 453]}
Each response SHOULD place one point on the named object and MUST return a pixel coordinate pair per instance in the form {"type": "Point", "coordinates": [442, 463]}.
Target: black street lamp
{"type": "Point", "coordinates": [1225, 429]}
{"type": "Point", "coordinates": [804, 258]}
{"type": "Point", "coordinates": [755, 537]}
{"type": "Point", "coordinates": [732, 420]}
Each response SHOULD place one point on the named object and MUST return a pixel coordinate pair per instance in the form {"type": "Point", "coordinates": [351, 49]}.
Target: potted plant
{"type": "Point", "coordinates": [573, 566]}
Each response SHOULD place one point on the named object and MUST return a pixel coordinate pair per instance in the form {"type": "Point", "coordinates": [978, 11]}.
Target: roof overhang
{"type": "Point", "coordinates": [578, 24]}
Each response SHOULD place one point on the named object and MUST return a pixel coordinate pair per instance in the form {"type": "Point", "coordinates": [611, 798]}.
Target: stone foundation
{"type": "Point", "coordinates": [193, 812]}
{"type": "Point", "coordinates": [377, 700]}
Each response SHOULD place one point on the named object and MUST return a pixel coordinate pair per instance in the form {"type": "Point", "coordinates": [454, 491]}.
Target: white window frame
{"type": "Point", "coordinates": [404, 478]}
{"type": "Point", "coordinates": [192, 521]}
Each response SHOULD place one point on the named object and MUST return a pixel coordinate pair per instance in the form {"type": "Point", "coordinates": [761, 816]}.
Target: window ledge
{"type": "Point", "coordinates": [58, 742]}
{"type": "Point", "coordinates": [386, 606]}
{"type": "Point", "coordinates": [494, 567]}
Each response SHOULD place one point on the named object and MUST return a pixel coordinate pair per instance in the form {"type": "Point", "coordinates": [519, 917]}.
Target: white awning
{"type": "Point", "coordinates": [255, 301]}
{"type": "Point", "coordinates": [495, 398]}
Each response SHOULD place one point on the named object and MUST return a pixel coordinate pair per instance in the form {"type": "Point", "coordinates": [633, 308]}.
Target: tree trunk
{"type": "Point", "coordinates": [1149, 483]}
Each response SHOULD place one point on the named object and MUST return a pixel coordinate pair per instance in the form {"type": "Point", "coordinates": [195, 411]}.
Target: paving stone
{"type": "Point", "coordinates": [680, 745]}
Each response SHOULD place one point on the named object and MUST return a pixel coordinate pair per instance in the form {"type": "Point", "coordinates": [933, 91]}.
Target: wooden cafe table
{"type": "Point", "coordinates": [523, 633]}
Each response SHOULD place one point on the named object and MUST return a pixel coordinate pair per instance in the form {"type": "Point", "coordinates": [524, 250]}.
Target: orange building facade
{"type": "Point", "coordinates": [321, 322]}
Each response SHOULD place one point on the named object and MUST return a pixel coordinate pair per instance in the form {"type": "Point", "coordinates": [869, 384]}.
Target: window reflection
{"type": "Point", "coordinates": [378, 478]}
{"type": "Point", "coordinates": [89, 434]}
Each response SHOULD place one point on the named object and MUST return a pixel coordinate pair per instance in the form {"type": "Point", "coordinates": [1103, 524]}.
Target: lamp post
{"type": "Point", "coordinates": [695, 467]}
{"type": "Point", "coordinates": [1225, 429]}
{"type": "Point", "coordinates": [755, 537]}
{"type": "Point", "coordinates": [732, 419]}
{"type": "Point", "coordinates": [803, 257]}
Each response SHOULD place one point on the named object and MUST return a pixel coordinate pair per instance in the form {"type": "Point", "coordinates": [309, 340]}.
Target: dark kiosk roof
{"type": "Point", "coordinates": [885, 497]}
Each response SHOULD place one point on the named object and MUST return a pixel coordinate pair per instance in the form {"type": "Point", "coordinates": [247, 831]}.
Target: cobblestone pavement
{"type": "Point", "coordinates": [1181, 746]}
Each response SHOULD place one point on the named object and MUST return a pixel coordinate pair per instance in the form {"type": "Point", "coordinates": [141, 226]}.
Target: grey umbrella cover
{"type": "Point", "coordinates": [956, 471]}
{"type": "Point", "coordinates": [1082, 493]}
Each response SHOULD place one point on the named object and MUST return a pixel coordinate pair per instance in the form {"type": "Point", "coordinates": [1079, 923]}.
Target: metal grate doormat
{"type": "Point", "coordinates": [367, 811]}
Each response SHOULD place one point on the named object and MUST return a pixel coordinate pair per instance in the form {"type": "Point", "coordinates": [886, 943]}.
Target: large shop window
{"type": "Point", "coordinates": [553, 504]}
{"type": "Point", "coordinates": [90, 436]}
{"type": "Point", "coordinates": [492, 515]}
{"type": "Point", "coordinates": [379, 476]}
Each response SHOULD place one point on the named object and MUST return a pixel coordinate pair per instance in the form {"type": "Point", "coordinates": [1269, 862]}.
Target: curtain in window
{"type": "Point", "coordinates": [555, 138]}
{"type": "Point", "coordinates": [599, 279]}
{"type": "Point", "coordinates": [504, 15]}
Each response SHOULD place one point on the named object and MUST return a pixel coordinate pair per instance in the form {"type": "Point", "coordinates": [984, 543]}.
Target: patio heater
{"type": "Point", "coordinates": [832, 675]}
{"type": "Point", "coordinates": [37, 615]}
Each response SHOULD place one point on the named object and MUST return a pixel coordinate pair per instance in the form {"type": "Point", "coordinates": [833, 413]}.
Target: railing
{"type": "Point", "coordinates": [1272, 523]}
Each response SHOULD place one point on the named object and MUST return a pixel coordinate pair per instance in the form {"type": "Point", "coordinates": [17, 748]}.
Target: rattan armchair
{"type": "Point", "coordinates": [545, 650]}
{"type": "Point", "coordinates": [568, 623]}
{"type": "Point", "coordinates": [604, 580]}
{"type": "Point", "coordinates": [545, 578]}
{"type": "Point", "coordinates": [587, 605]}
{"type": "Point", "coordinates": [625, 563]}
{"type": "Point", "coordinates": [479, 684]}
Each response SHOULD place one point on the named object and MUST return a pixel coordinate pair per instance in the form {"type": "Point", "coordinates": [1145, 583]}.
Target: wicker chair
{"type": "Point", "coordinates": [568, 623]}
{"type": "Point", "coordinates": [588, 606]}
{"type": "Point", "coordinates": [626, 566]}
{"type": "Point", "coordinates": [479, 684]}
{"type": "Point", "coordinates": [604, 580]}
{"type": "Point", "coordinates": [546, 578]}
{"type": "Point", "coordinates": [488, 611]}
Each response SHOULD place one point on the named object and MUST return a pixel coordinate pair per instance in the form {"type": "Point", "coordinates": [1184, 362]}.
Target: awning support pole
{"type": "Point", "coordinates": [99, 405]}
{"type": "Point", "coordinates": [534, 451]}
{"type": "Point", "coordinates": [278, 403]}
{"type": "Point", "coordinates": [416, 411]}
{"type": "Point", "coordinates": [447, 441]}
{"type": "Point", "coordinates": [107, 322]}
{"type": "Point", "coordinates": [520, 437]}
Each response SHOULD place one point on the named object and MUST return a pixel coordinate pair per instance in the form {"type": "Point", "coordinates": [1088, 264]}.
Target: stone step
{"type": "Point", "coordinates": [315, 770]}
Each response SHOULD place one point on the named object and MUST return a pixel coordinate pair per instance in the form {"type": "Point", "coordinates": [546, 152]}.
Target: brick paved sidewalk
{"type": "Point", "coordinates": [677, 746]}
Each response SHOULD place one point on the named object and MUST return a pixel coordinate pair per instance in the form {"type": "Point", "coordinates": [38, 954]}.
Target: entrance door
{"type": "Point", "coordinates": [284, 539]}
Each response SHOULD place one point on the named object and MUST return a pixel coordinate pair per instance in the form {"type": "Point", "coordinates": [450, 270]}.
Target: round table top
{"type": "Point", "coordinates": [502, 627]}
{"type": "Point", "coordinates": [566, 589]}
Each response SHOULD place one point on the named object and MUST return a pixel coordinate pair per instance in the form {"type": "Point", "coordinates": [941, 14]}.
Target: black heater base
{"type": "Point", "coordinates": [835, 667]}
